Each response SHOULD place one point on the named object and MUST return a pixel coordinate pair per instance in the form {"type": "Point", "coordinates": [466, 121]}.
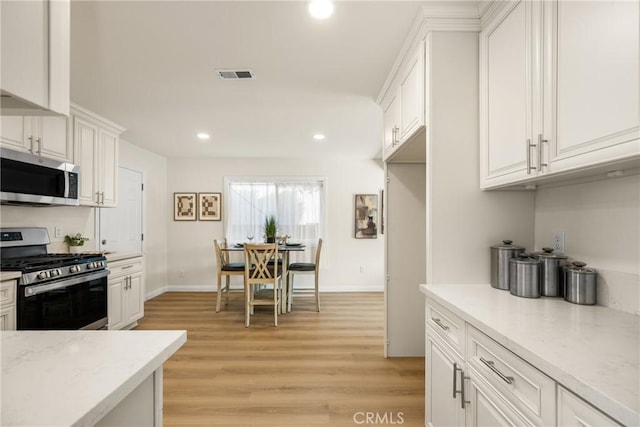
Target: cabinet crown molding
{"type": "Point", "coordinates": [431, 18]}
{"type": "Point", "coordinates": [84, 112]}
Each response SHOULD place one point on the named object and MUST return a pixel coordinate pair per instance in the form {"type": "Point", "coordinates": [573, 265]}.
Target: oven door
{"type": "Point", "coordinates": [79, 302]}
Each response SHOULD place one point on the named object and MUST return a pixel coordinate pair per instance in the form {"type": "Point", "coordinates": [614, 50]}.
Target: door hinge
{"type": "Point", "coordinates": [388, 180]}
{"type": "Point", "coordinates": [142, 236]}
{"type": "Point", "coordinates": [142, 187]}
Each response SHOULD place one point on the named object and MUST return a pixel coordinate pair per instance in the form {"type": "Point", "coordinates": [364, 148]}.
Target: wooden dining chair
{"type": "Point", "coordinates": [225, 268]}
{"type": "Point", "coordinates": [304, 268]}
{"type": "Point", "coordinates": [262, 281]}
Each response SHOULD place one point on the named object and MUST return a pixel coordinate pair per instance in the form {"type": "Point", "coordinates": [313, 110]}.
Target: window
{"type": "Point", "coordinates": [298, 205]}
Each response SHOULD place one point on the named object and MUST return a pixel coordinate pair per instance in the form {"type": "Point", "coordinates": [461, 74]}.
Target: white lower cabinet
{"type": "Point", "coordinates": [8, 305]}
{"type": "Point", "coordinates": [472, 380]}
{"type": "Point", "coordinates": [125, 293]}
{"type": "Point", "coordinates": [444, 371]}
{"type": "Point", "coordinates": [575, 412]}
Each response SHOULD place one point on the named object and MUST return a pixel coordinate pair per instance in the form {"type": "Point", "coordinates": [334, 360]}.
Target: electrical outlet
{"type": "Point", "coordinates": [361, 269]}
{"type": "Point", "coordinates": [57, 232]}
{"type": "Point", "coordinates": [181, 273]}
{"type": "Point", "coordinates": [558, 241]}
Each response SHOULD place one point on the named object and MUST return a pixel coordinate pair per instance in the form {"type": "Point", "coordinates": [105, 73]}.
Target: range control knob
{"type": "Point", "coordinates": [55, 273]}
{"type": "Point", "coordinates": [43, 275]}
{"type": "Point", "coordinates": [74, 269]}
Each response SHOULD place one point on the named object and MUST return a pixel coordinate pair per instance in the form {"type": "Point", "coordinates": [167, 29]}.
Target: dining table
{"type": "Point", "coordinates": [285, 249]}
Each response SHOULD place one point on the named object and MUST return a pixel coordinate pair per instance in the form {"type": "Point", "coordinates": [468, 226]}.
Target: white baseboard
{"type": "Point", "coordinates": [238, 287]}
{"type": "Point", "coordinates": [156, 293]}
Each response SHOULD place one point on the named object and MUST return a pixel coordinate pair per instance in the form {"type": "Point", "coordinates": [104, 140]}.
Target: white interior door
{"type": "Point", "coordinates": [121, 226]}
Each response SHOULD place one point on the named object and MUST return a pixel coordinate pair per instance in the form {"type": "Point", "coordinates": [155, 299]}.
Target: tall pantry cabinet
{"type": "Point", "coordinates": [433, 206]}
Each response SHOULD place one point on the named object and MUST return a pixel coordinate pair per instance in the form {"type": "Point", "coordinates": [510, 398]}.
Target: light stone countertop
{"type": "Point", "coordinates": [9, 275]}
{"type": "Point", "coordinates": [593, 351]}
{"type": "Point", "coordinates": [74, 378]}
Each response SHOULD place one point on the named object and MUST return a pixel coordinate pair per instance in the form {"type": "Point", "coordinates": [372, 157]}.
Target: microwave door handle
{"type": "Point", "coordinates": [65, 190]}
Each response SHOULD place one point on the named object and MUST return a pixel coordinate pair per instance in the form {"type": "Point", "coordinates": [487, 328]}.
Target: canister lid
{"type": "Point", "coordinates": [524, 258]}
{"type": "Point", "coordinates": [506, 244]}
{"type": "Point", "coordinates": [578, 267]}
{"type": "Point", "coordinates": [548, 253]}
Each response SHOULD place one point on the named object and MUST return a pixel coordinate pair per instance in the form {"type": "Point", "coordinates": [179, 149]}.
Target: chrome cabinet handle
{"type": "Point", "coordinates": [98, 197]}
{"type": "Point", "coordinates": [529, 147]}
{"type": "Point", "coordinates": [39, 141]}
{"type": "Point", "coordinates": [462, 398]}
{"type": "Point", "coordinates": [127, 266]}
{"type": "Point", "coordinates": [102, 197]}
{"type": "Point", "coordinates": [393, 136]}
{"type": "Point", "coordinates": [30, 144]}
{"type": "Point", "coordinates": [540, 141]}
{"type": "Point", "coordinates": [397, 137]}
{"type": "Point", "coordinates": [491, 365]}
{"type": "Point", "coordinates": [439, 323]}
{"type": "Point", "coordinates": [455, 372]}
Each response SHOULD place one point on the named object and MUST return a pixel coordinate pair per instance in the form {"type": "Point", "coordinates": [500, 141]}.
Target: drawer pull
{"type": "Point", "coordinates": [491, 365]}
{"type": "Point", "coordinates": [439, 323]}
{"type": "Point", "coordinates": [127, 266]}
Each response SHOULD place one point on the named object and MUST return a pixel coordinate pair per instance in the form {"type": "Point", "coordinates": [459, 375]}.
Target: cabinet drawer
{"type": "Point", "coordinates": [7, 292]}
{"type": "Point", "coordinates": [531, 392]}
{"type": "Point", "coordinates": [446, 324]}
{"type": "Point", "coordinates": [575, 412]}
{"type": "Point", "coordinates": [126, 266]}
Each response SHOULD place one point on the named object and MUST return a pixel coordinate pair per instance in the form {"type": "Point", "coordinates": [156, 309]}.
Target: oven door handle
{"type": "Point", "coordinates": [33, 290]}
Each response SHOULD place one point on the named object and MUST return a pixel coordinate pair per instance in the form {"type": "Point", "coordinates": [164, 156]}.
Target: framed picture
{"type": "Point", "coordinates": [209, 206]}
{"type": "Point", "coordinates": [184, 206]}
{"type": "Point", "coordinates": [366, 216]}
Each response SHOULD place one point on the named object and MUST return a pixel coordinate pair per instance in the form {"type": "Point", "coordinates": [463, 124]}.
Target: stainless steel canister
{"type": "Point", "coordinates": [580, 284]}
{"type": "Point", "coordinates": [551, 273]}
{"type": "Point", "coordinates": [524, 276]}
{"type": "Point", "coordinates": [500, 256]}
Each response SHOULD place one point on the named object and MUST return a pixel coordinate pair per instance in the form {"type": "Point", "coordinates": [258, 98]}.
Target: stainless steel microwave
{"type": "Point", "coordinates": [34, 180]}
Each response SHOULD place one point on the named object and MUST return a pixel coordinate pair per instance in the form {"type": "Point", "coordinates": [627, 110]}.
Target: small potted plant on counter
{"type": "Point", "coordinates": [270, 229]}
{"type": "Point", "coordinates": [75, 242]}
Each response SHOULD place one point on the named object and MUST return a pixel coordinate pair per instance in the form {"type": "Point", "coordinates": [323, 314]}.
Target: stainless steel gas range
{"type": "Point", "coordinates": [56, 291]}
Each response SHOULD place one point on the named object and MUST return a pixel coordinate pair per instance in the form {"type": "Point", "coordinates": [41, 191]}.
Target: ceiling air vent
{"type": "Point", "coordinates": [236, 74]}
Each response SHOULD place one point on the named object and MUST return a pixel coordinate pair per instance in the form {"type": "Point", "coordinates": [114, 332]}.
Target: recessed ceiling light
{"type": "Point", "coordinates": [203, 135]}
{"type": "Point", "coordinates": [318, 137]}
{"type": "Point", "coordinates": [321, 9]}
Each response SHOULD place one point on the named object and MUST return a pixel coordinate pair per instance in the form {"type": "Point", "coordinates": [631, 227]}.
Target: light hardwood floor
{"type": "Point", "coordinates": [314, 369]}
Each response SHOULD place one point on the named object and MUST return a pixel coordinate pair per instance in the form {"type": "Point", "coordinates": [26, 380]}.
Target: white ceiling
{"type": "Point", "coordinates": [150, 66]}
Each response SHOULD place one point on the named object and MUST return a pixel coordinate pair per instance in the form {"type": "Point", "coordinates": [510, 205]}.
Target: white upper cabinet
{"type": "Point", "coordinates": [35, 57]}
{"type": "Point", "coordinates": [596, 46]}
{"type": "Point", "coordinates": [559, 89]}
{"type": "Point", "coordinates": [95, 148]}
{"type": "Point", "coordinates": [404, 102]}
{"type": "Point", "coordinates": [43, 136]}
{"type": "Point", "coordinates": [391, 124]}
{"type": "Point", "coordinates": [505, 123]}
{"type": "Point", "coordinates": [412, 95]}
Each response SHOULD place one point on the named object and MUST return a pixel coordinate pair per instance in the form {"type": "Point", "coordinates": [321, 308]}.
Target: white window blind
{"type": "Point", "coordinates": [298, 205]}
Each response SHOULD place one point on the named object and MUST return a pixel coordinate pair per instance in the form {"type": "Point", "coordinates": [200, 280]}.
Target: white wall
{"type": "Point", "coordinates": [191, 256]}
{"type": "Point", "coordinates": [601, 222]}
{"type": "Point", "coordinates": [71, 220]}
{"type": "Point", "coordinates": [155, 212]}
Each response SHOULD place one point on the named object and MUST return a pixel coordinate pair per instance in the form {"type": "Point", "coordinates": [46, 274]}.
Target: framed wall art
{"type": "Point", "coordinates": [366, 216]}
{"type": "Point", "coordinates": [184, 206]}
{"type": "Point", "coordinates": [209, 206]}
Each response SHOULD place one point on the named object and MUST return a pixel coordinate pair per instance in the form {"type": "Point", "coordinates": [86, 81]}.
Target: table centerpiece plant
{"type": "Point", "coordinates": [270, 228]}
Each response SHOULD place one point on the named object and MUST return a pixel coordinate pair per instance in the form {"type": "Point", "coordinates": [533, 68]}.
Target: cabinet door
{"type": "Point", "coordinates": [505, 96]}
{"type": "Point", "coordinates": [108, 164]}
{"type": "Point", "coordinates": [14, 133]}
{"type": "Point", "coordinates": [25, 47]}
{"type": "Point", "coordinates": [85, 137]}
{"type": "Point", "coordinates": [412, 95]}
{"type": "Point", "coordinates": [134, 298]}
{"type": "Point", "coordinates": [574, 412]}
{"type": "Point", "coordinates": [8, 318]}
{"type": "Point", "coordinates": [391, 124]}
{"type": "Point", "coordinates": [596, 107]}
{"type": "Point", "coordinates": [115, 305]}
{"type": "Point", "coordinates": [486, 408]}
{"type": "Point", "coordinates": [54, 142]}
{"type": "Point", "coordinates": [441, 407]}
